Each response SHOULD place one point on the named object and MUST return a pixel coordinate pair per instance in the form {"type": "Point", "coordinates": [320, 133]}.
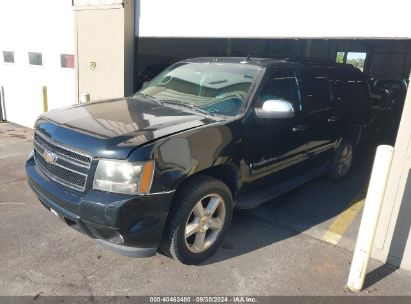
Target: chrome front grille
{"type": "Point", "coordinates": [69, 154]}
{"type": "Point", "coordinates": [62, 164]}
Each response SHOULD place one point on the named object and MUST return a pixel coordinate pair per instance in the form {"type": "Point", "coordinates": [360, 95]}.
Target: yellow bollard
{"type": "Point", "coordinates": [45, 98]}
{"type": "Point", "coordinates": [371, 213]}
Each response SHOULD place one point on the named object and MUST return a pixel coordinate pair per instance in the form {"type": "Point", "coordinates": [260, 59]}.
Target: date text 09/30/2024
{"type": "Point", "coordinates": [203, 299]}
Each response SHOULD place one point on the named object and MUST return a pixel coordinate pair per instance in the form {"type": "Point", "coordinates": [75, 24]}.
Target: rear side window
{"type": "Point", "coordinates": [357, 91]}
{"type": "Point", "coordinates": [282, 85]}
{"type": "Point", "coordinates": [349, 86]}
{"type": "Point", "coordinates": [316, 89]}
{"type": "Point", "coordinates": [339, 83]}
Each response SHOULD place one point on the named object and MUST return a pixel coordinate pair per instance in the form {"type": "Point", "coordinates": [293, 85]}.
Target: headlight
{"type": "Point", "coordinates": [123, 177]}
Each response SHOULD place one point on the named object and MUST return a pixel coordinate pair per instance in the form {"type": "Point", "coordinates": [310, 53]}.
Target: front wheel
{"type": "Point", "coordinates": [198, 220]}
{"type": "Point", "coordinates": [340, 165]}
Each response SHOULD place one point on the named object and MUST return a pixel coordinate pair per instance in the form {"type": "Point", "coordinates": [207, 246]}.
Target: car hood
{"type": "Point", "coordinates": [113, 128]}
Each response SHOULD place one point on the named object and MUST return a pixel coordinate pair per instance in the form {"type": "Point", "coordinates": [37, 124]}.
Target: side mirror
{"type": "Point", "coordinates": [275, 109]}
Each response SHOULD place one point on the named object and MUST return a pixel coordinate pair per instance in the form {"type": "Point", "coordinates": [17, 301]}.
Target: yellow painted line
{"type": "Point", "coordinates": [342, 222]}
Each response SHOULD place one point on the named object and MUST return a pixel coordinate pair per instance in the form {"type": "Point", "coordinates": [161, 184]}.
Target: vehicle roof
{"type": "Point", "coordinates": [268, 62]}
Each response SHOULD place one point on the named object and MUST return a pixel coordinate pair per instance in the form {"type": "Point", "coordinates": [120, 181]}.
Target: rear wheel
{"type": "Point", "coordinates": [198, 220]}
{"type": "Point", "coordinates": [340, 165]}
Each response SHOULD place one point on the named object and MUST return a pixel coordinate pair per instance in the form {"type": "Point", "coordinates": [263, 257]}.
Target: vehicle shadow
{"type": "Point", "coordinates": [295, 212]}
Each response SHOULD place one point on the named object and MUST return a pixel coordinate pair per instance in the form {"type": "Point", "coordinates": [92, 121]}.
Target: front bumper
{"type": "Point", "coordinates": [127, 224]}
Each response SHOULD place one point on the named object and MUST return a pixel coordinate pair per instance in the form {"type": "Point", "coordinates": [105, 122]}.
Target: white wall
{"type": "Point", "coordinates": [393, 238]}
{"type": "Point", "coordinates": [44, 26]}
{"type": "Point", "coordinates": [274, 18]}
{"type": "Point", "coordinates": [47, 26]}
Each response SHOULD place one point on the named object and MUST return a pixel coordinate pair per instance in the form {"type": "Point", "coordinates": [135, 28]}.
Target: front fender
{"type": "Point", "coordinates": [184, 154]}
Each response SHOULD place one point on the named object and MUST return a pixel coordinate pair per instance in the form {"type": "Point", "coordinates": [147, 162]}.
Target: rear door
{"type": "Point", "coordinates": [319, 114]}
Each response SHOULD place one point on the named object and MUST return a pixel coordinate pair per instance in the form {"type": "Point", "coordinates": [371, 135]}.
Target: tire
{"type": "Point", "coordinates": [341, 163]}
{"type": "Point", "coordinates": [185, 244]}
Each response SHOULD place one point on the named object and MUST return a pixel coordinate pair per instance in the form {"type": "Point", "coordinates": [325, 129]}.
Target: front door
{"type": "Point", "coordinates": [275, 144]}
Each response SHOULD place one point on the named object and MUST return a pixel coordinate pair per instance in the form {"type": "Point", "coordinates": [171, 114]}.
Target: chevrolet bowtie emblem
{"type": "Point", "coordinates": [49, 157]}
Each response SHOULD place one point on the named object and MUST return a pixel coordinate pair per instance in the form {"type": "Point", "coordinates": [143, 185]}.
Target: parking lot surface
{"type": "Point", "coordinates": [298, 244]}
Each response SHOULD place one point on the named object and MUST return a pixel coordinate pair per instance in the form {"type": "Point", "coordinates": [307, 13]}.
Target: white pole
{"type": "Point", "coordinates": [369, 221]}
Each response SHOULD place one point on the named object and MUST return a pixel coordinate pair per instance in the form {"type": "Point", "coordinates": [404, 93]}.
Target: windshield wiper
{"type": "Point", "coordinates": [188, 106]}
{"type": "Point", "coordinates": [149, 97]}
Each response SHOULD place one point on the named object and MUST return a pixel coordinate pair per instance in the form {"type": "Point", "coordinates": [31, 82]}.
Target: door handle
{"type": "Point", "coordinates": [332, 119]}
{"type": "Point", "coordinates": [299, 128]}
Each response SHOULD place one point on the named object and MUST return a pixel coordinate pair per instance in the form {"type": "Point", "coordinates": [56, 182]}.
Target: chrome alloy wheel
{"type": "Point", "coordinates": [205, 223]}
{"type": "Point", "coordinates": [344, 162]}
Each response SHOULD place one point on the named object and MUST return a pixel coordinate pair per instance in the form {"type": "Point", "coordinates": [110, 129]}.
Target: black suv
{"type": "Point", "coordinates": [163, 169]}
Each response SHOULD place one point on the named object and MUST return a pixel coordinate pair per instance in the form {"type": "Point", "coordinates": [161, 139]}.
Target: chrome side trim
{"type": "Point", "coordinates": [156, 193]}
{"type": "Point", "coordinates": [321, 110]}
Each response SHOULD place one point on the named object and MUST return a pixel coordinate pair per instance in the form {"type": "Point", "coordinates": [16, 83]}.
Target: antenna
{"type": "Point", "coordinates": [248, 59]}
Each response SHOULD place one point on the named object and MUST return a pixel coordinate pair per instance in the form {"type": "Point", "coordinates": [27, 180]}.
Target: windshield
{"type": "Point", "coordinates": [218, 88]}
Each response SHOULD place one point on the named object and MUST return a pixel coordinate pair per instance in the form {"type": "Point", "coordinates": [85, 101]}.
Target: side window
{"type": "Point", "coordinates": [316, 90]}
{"type": "Point", "coordinates": [350, 86]}
{"type": "Point", "coordinates": [282, 85]}
{"type": "Point", "coordinates": [338, 80]}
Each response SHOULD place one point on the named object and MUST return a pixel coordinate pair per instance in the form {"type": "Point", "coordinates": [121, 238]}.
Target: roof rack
{"type": "Point", "coordinates": [310, 60]}
{"type": "Point", "coordinates": [247, 60]}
